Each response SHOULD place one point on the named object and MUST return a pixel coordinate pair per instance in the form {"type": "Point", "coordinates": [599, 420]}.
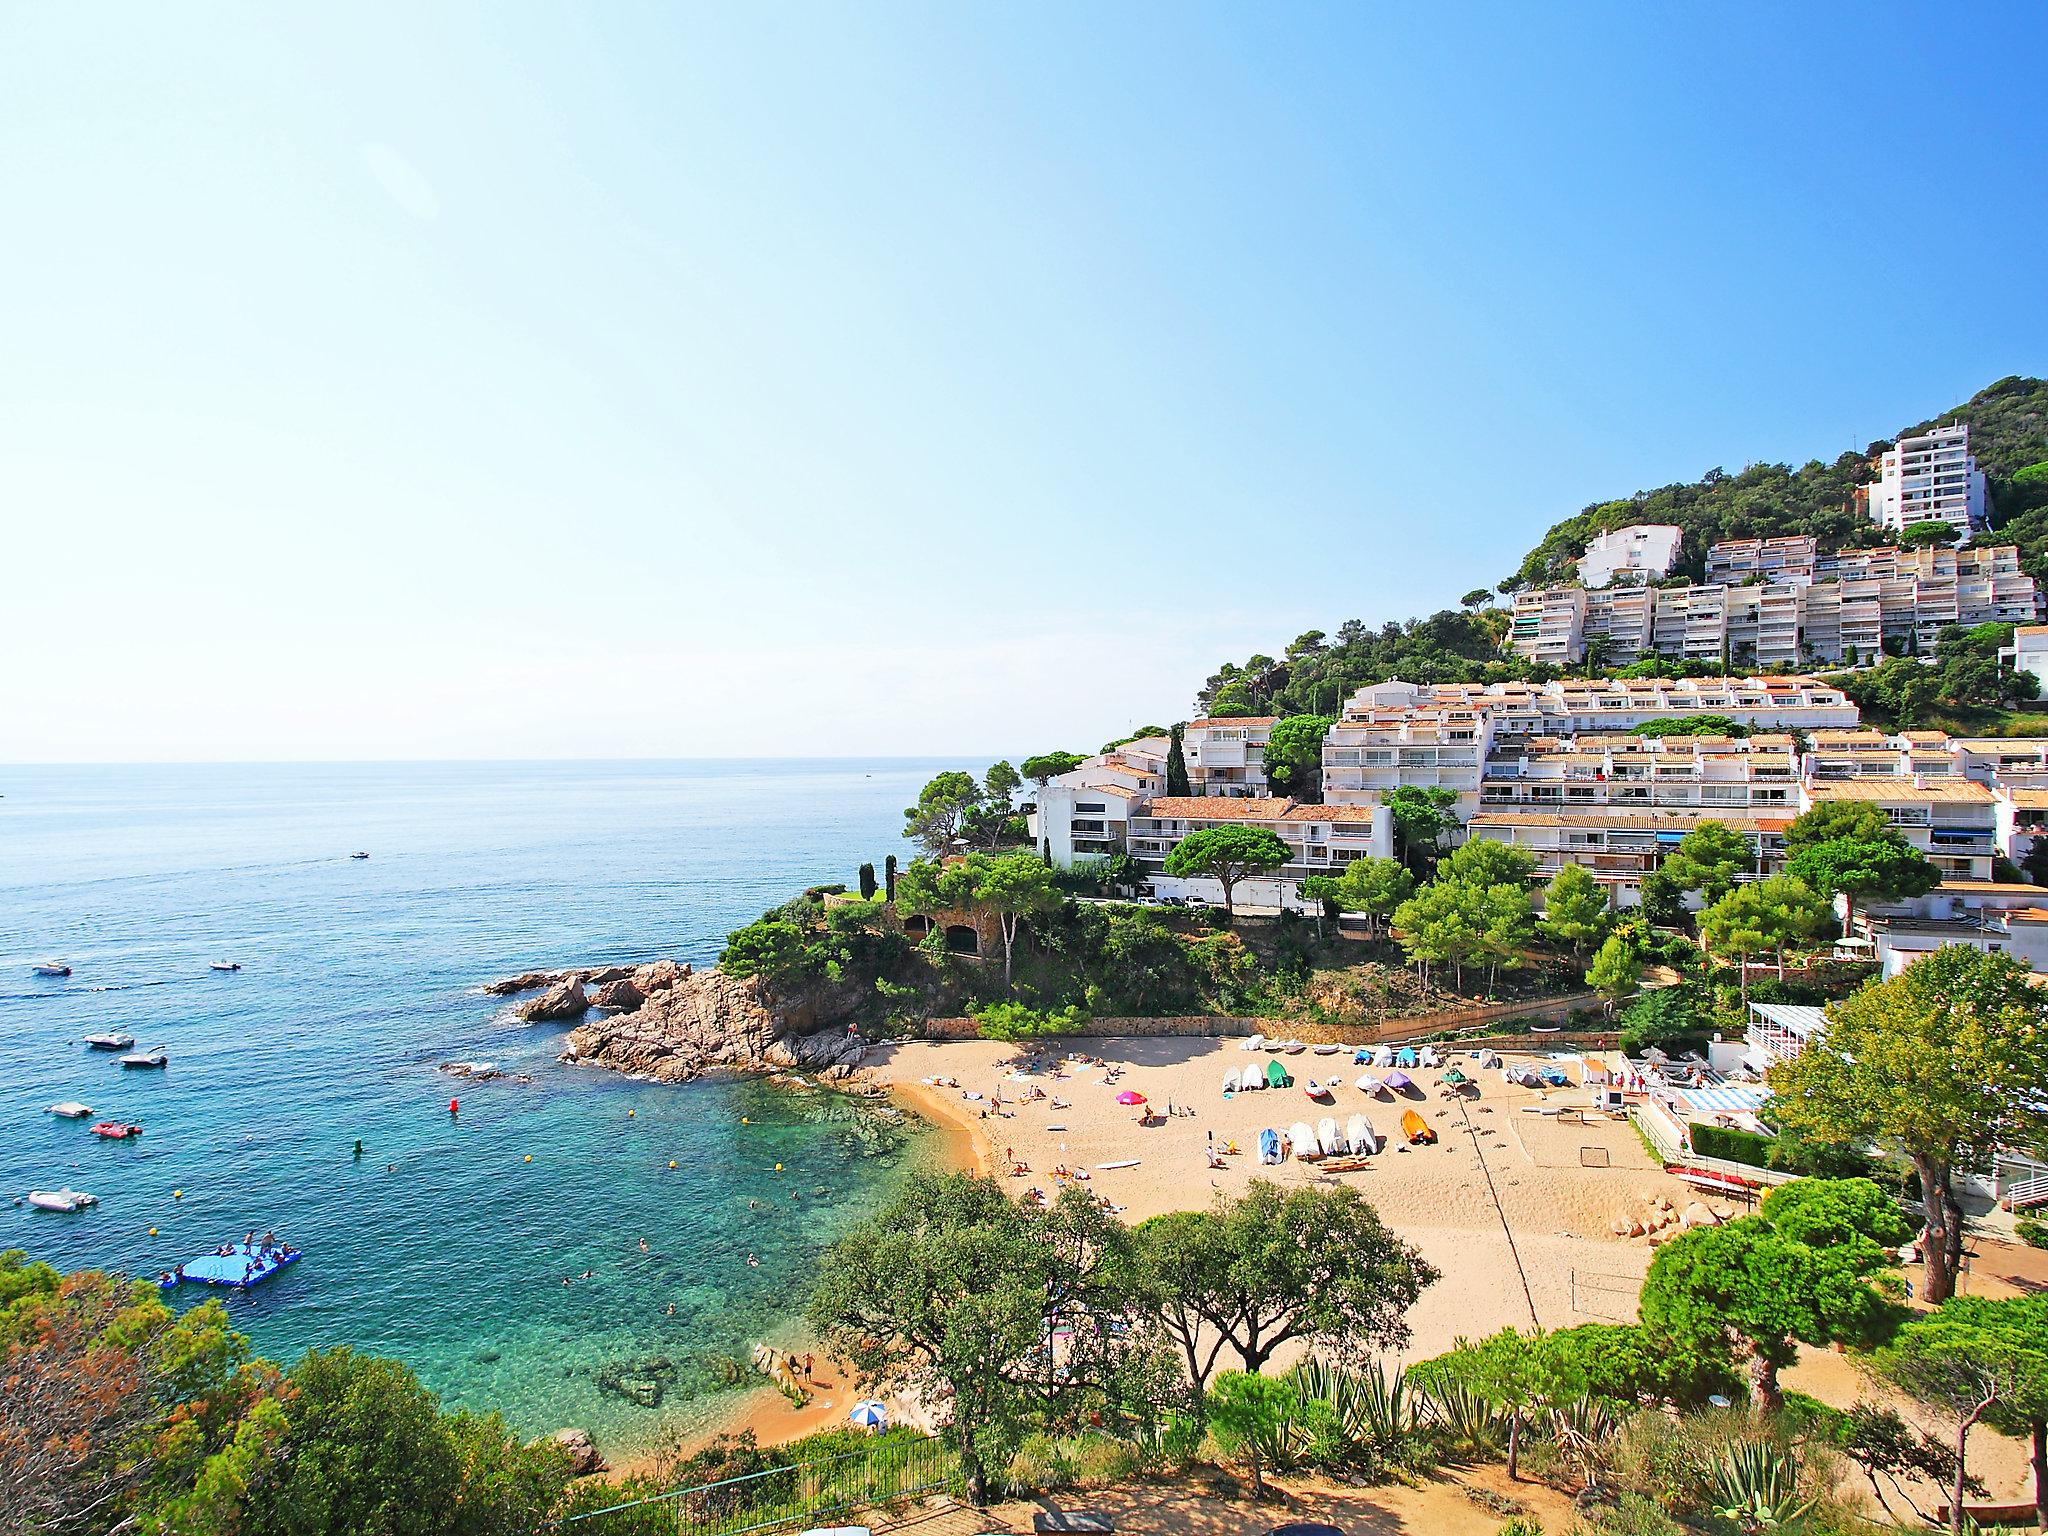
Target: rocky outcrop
{"type": "Point", "coordinates": [619, 993]}
{"type": "Point", "coordinates": [693, 1022]}
{"type": "Point", "coordinates": [659, 976]}
{"type": "Point", "coordinates": [525, 982]}
{"type": "Point", "coordinates": [584, 1460]}
{"type": "Point", "coordinates": [607, 976]}
{"type": "Point", "coordinates": [565, 1000]}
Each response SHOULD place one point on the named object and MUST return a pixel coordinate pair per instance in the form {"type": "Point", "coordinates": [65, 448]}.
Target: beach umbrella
{"type": "Point", "coordinates": [1130, 1096]}
{"type": "Point", "coordinates": [869, 1415]}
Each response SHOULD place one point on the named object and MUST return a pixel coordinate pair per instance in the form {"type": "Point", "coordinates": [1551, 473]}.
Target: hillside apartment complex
{"type": "Point", "coordinates": [1781, 602]}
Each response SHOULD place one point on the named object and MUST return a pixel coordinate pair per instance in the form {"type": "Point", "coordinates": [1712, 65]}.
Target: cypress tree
{"type": "Point", "coordinates": [1176, 766]}
{"type": "Point", "coordinates": [867, 882]}
{"type": "Point", "coordinates": [889, 875]}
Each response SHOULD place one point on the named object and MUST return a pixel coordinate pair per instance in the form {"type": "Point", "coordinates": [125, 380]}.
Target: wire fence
{"type": "Point", "coordinates": [807, 1493]}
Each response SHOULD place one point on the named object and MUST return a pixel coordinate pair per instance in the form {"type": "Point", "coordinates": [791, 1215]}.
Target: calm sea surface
{"type": "Point", "coordinates": [442, 1245]}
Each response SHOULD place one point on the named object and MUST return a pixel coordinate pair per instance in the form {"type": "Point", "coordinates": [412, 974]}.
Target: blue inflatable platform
{"type": "Point", "coordinates": [243, 1266]}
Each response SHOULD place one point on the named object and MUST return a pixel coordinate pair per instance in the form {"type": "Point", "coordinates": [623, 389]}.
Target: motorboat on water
{"type": "Point", "coordinates": [359, 855]}
{"type": "Point", "coordinates": [114, 1040]}
{"type": "Point", "coordinates": [71, 1109]}
{"type": "Point", "coordinates": [116, 1130]}
{"type": "Point", "coordinates": [51, 968]}
{"type": "Point", "coordinates": [155, 1056]}
{"type": "Point", "coordinates": [61, 1199]}
{"type": "Point", "coordinates": [225, 965]}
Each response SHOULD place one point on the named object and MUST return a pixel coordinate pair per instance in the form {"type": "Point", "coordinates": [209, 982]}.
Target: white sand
{"type": "Point", "coordinates": [1437, 1197]}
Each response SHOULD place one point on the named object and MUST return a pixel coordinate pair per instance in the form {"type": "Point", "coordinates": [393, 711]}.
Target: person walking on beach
{"type": "Point", "coordinates": [807, 1367]}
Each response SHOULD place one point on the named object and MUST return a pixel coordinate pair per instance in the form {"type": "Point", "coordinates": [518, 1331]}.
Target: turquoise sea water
{"type": "Point", "coordinates": [442, 1245]}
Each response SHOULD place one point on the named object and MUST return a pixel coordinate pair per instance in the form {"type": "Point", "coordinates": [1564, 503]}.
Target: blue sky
{"type": "Point", "coordinates": [525, 380]}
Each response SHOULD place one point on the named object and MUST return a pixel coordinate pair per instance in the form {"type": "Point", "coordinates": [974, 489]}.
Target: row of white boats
{"type": "Point", "coordinates": [62, 968]}
{"type": "Point", "coordinates": [1355, 1138]}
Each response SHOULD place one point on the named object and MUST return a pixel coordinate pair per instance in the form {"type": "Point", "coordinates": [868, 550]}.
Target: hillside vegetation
{"type": "Point", "coordinates": [2008, 432]}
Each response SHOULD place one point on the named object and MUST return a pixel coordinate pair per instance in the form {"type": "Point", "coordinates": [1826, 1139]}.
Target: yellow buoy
{"type": "Point", "coordinates": [529, 1157]}
{"type": "Point", "coordinates": [177, 1194]}
{"type": "Point", "coordinates": [743, 1120]}
{"type": "Point", "coordinates": [631, 1113]}
{"type": "Point", "coordinates": [778, 1167]}
{"type": "Point", "coordinates": [671, 1162]}
{"type": "Point", "coordinates": [152, 1231]}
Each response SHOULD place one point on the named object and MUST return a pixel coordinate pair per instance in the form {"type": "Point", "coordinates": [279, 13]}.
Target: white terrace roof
{"type": "Point", "coordinates": [1792, 1018]}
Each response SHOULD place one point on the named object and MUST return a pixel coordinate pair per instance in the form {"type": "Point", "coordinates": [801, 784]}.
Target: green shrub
{"type": "Point", "coordinates": [1019, 1021]}
{"type": "Point", "coordinates": [2032, 1231]}
{"type": "Point", "coordinates": [1733, 1145]}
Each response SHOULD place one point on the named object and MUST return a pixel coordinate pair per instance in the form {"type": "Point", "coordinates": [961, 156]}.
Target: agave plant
{"type": "Point", "coordinates": [1757, 1487]}
{"type": "Point", "coordinates": [1468, 1421]}
{"type": "Point", "coordinates": [1370, 1406]}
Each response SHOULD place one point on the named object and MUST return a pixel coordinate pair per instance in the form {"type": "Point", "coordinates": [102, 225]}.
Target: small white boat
{"type": "Point", "coordinates": [1231, 1080]}
{"type": "Point", "coordinates": [225, 965]}
{"type": "Point", "coordinates": [71, 1109]}
{"type": "Point", "coordinates": [1328, 1140]}
{"type": "Point", "coordinates": [1251, 1044]}
{"type": "Point", "coordinates": [359, 855]}
{"type": "Point", "coordinates": [1327, 1050]}
{"type": "Point", "coordinates": [1428, 1057]}
{"type": "Point", "coordinates": [113, 1040]}
{"type": "Point", "coordinates": [61, 1199]}
{"type": "Point", "coordinates": [1251, 1080]}
{"type": "Point", "coordinates": [1303, 1135]}
{"type": "Point", "coordinates": [51, 968]}
{"type": "Point", "coordinates": [1367, 1083]}
{"type": "Point", "coordinates": [1293, 1047]}
{"type": "Point", "coordinates": [155, 1056]}
{"type": "Point", "coordinates": [1316, 1090]}
{"type": "Point", "coordinates": [1362, 1138]}
{"type": "Point", "coordinates": [1267, 1043]}
{"type": "Point", "coordinates": [1383, 1056]}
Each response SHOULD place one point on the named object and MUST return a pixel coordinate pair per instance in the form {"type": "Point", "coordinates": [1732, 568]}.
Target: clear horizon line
{"type": "Point", "coordinates": [401, 762]}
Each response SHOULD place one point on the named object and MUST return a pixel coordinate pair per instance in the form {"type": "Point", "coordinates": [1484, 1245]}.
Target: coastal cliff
{"type": "Point", "coordinates": [673, 1023]}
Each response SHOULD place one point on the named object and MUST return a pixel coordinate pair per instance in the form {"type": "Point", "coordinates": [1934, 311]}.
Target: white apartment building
{"type": "Point", "coordinates": [1639, 554]}
{"type": "Point", "coordinates": [1227, 756]}
{"type": "Point", "coordinates": [2028, 653]}
{"type": "Point", "coordinates": [1321, 840]}
{"type": "Point", "coordinates": [1618, 846]}
{"type": "Point", "coordinates": [1784, 559]}
{"type": "Point", "coordinates": [1932, 478]}
{"type": "Point", "coordinates": [1821, 608]}
{"type": "Point", "coordinates": [1086, 812]}
{"type": "Point", "coordinates": [1549, 625]}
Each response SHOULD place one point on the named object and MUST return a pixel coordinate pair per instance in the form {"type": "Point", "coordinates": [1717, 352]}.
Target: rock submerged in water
{"type": "Point", "coordinates": [525, 982]}
{"type": "Point", "coordinates": [689, 1022]}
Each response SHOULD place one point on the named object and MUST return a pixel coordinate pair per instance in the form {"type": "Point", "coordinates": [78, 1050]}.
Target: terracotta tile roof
{"type": "Point", "coordinates": [1333, 813]}
{"type": "Point", "coordinates": [2029, 629]}
{"type": "Point", "coordinates": [1881, 787]}
{"type": "Point", "coordinates": [1218, 808]}
{"type": "Point", "coordinates": [1990, 888]}
{"type": "Point", "coordinates": [2026, 799]}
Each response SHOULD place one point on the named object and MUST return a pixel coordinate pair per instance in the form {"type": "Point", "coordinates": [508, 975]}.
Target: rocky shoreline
{"type": "Point", "coordinates": [672, 1023]}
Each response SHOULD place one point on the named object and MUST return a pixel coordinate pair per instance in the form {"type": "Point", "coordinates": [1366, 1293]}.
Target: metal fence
{"type": "Point", "coordinates": [805, 1494]}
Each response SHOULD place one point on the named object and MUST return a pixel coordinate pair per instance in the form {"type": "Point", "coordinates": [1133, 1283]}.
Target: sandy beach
{"type": "Point", "coordinates": [1513, 1207]}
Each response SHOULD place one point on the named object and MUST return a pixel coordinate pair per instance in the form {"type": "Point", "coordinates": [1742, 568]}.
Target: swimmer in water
{"type": "Point", "coordinates": [359, 1149]}
{"type": "Point", "coordinates": [643, 1245]}
{"type": "Point", "coordinates": [752, 1262]}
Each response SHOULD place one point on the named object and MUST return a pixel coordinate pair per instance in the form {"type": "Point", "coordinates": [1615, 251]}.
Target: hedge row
{"type": "Point", "coordinates": [1732, 1145]}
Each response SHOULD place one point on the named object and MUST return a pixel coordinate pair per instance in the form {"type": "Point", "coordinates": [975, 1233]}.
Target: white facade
{"type": "Point", "coordinates": [1227, 756]}
{"type": "Point", "coordinates": [1321, 840]}
{"type": "Point", "coordinates": [1639, 554]}
{"type": "Point", "coordinates": [1932, 478]}
{"type": "Point", "coordinates": [2028, 653]}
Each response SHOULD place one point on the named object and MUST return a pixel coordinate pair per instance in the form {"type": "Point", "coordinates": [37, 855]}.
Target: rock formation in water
{"type": "Point", "coordinates": [689, 1022]}
{"type": "Point", "coordinates": [565, 1000]}
{"type": "Point", "coordinates": [584, 1459]}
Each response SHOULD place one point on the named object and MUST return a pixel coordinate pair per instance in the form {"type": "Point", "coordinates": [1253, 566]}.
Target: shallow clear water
{"type": "Point", "coordinates": [441, 1245]}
